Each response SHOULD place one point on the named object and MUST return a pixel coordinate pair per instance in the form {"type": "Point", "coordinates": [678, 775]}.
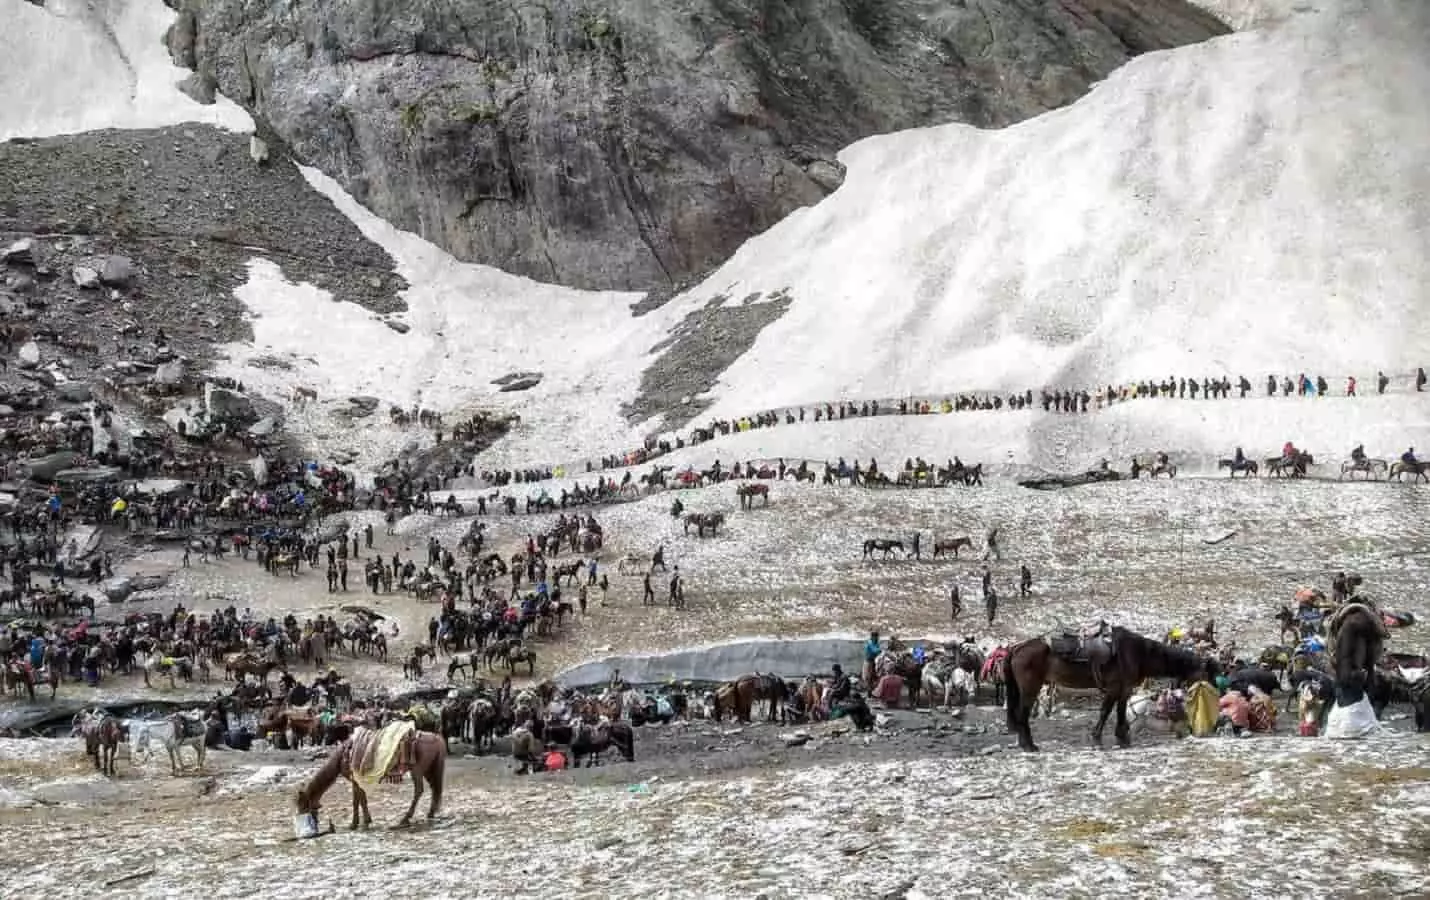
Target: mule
{"type": "Point", "coordinates": [421, 754]}
{"type": "Point", "coordinates": [1113, 663]}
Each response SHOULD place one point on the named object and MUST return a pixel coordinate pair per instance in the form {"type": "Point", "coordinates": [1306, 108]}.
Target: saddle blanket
{"type": "Point", "coordinates": [376, 755]}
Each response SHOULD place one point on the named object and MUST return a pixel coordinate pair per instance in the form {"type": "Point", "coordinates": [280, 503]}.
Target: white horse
{"type": "Point", "coordinates": [945, 678]}
{"type": "Point", "coordinates": [175, 732]}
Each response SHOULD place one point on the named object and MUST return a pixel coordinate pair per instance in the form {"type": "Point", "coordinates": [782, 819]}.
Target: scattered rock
{"type": "Point", "coordinates": [828, 174]}
{"type": "Point", "coordinates": [20, 253]}
{"type": "Point", "coordinates": [85, 277]}
{"type": "Point", "coordinates": [225, 405]}
{"type": "Point", "coordinates": [258, 150]}
{"type": "Point", "coordinates": [200, 88]}
{"type": "Point", "coordinates": [397, 326]}
{"type": "Point", "coordinates": [263, 427]}
{"type": "Point", "coordinates": [522, 384]}
{"type": "Point", "coordinates": [75, 392]}
{"type": "Point", "coordinates": [797, 739]}
{"type": "Point", "coordinates": [45, 468]}
{"type": "Point", "coordinates": [29, 355]}
{"type": "Point", "coordinates": [170, 373]}
{"type": "Point", "coordinates": [117, 271]}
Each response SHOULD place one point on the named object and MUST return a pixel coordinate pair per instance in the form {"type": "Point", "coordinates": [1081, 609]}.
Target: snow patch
{"type": "Point", "coordinates": [82, 65]}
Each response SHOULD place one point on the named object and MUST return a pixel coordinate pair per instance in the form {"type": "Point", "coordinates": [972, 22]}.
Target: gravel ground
{"type": "Point", "coordinates": [190, 208]}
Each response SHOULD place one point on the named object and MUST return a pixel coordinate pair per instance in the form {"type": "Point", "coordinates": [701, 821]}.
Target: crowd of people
{"type": "Point", "coordinates": [1076, 401]}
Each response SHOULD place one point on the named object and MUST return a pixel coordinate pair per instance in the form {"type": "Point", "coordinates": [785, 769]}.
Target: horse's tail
{"type": "Point", "coordinates": [1013, 692]}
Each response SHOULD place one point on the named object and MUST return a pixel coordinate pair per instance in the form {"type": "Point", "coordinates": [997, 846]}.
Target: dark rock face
{"type": "Point", "coordinates": [627, 144]}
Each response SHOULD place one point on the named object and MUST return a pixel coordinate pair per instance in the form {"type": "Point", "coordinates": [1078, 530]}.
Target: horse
{"type": "Point", "coordinates": [102, 734]}
{"type": "Point", "coordinates": [951, 545]}
{"type": "Point", "coordinates": [1418, 469]}
{"type": "Point", "coordinates": [241, 665]}
{"type": "Point", "coordinates": [1355, 641]}
{"type": "Point", "coordinates": [591, 741]}
{"type": "Point", "coordinates": [748, 492]}
{"type": "Point", "coordinates": [462, 662]}
{"type": "Point", "coordinates": [168, 666]}
{"type": "Point", "coordinates": [702, 521]}
{"type": "Point", "coordinates": [737, 697]}
{"type": "Point", "coordinates": [419, 753]}
{"type": "Point", "coordinates": [885, 544]}
{"type": "Point", "coordinates": [950, 680]}
{"type": "Point", "coordinates": [1247, 467]}
{"type": "Point", "coordinates": [1374, 469]}
{"type": "Point", "coordinates": [175, 732]}
{"type": "Point", "coordinates": [1115, 664]}
{"type": "Point", "coordinates": [1278, 467]}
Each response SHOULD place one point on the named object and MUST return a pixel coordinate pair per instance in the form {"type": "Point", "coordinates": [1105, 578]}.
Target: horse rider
{"type": "Point", "coordinates": [1358, 455]}
{"type": "Point", "coordinates": [1239, 460]}
{"type": "Point", "coordinates": [1408, 457]}
{"type": "Point", "coordinates": [1288, 453]}
{"type": "Point", "coordinates": [1162, 459]}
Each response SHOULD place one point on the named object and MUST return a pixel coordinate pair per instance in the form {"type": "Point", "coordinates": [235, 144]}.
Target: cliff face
{"type": "Point", "coordinates": [632, 143]}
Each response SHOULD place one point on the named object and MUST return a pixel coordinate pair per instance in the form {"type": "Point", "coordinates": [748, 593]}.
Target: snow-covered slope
{"type": "Point", "coordinates": [82, 65]}
{"type": "Point", "coordinates": [1256, 203]}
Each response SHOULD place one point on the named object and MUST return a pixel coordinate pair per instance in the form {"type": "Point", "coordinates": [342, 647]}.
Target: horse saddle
{"type": "Point", "coordinates": [1091, 645]}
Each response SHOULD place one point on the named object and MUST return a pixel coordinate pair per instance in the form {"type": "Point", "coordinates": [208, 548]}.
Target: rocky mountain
{"type": "Point", "coordinates": [631, 144]}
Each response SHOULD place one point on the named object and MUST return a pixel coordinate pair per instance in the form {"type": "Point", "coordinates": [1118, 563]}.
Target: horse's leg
{"type": "Point", "coordinates": [417, 778]}
{"type": "Point", "coordinates": [1108, 702]}
{"type": "Point", "coordinates": [1123, 732]}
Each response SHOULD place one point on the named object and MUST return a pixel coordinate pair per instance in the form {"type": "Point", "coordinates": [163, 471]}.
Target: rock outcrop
{"type": "Point", "coordinates": [628, 144]}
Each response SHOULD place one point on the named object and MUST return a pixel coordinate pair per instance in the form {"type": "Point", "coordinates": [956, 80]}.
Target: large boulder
{"type": "Point", "coordinates": [229, 406]}
{"type": "Point", "coordinates": [44, 468]}
{"type": "Point", "coordinates": [29, 355]}
{"type": "Point", "coordinates": [116, 271]}
{"type": "Point", "coordinates": [629, 144]}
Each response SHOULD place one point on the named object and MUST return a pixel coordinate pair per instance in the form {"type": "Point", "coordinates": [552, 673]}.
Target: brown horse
{"type": "Point", "coordinates": [1355, 642]}
{"type": "Point", "coordinates": [702, 521]}
{"type": "Point", "coordinates": [420, 753]}
{"type": "Point", "coordinates": [737, 698]}
{"type": "Point", "coordinates": [102, 734]}
{"type": "Point", "coordinates": [590, 741]}
{"type": "Point", "coordinates": [748, 492]}
{"type": "Point", "coordinates": [952, 545]}
{"type": "Point", "coordinates": [241, 665]}
{"type": "Point", "coordinates": [1114, 664]}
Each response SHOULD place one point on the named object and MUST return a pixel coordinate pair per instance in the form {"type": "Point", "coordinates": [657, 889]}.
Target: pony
{"type": "Point", "coordinates": [175, 732]}
{"type": "Point", "coordinates": [419, 753]}
{"type": "Point", "coordinates": [1114, 664]}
